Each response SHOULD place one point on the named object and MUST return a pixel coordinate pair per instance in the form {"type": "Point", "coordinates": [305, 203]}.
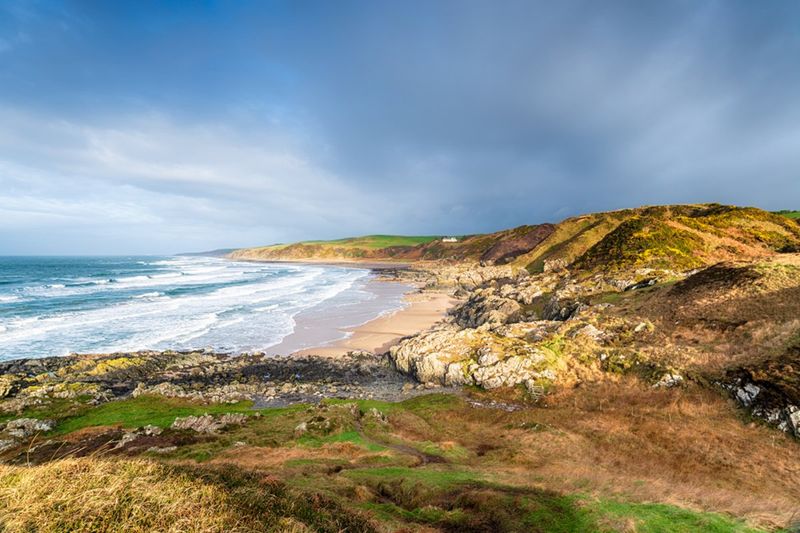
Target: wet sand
{"type": "Point", "coordinates": [422, 310]}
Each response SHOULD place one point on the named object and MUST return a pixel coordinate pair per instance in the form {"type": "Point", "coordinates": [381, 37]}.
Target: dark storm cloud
{"type": "Point", "coordinates": [163, 127]}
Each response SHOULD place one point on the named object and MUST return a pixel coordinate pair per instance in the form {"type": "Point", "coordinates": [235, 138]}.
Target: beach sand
{"type": "Point", "coordinates": [366, 330]}
{"type": "Point", "coordinates": [423, 310]}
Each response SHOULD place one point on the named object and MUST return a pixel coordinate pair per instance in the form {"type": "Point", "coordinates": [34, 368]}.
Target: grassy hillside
{"type": "Point", "coordinates": [410, 466]}
{"type": "Point", "coordinates": [374, 242]}
{"type": "Point", "coordinates": [677, 237]}
{"type": "Point", "coordinates": [496, 247]}
{"type": "Point", "coordinates": [789, 214]}
{"type": "Point", "coordinates": [352, 248]}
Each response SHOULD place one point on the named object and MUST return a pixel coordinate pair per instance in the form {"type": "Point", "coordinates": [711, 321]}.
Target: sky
{"type": "Point", "coordinates": [138, 127]}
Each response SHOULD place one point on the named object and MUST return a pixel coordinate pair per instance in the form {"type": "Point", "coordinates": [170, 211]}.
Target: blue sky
{"type": "Point", "coordinates": [157, 127]}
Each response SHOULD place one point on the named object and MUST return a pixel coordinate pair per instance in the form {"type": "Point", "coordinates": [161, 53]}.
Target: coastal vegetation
{"type": "Point", "coordinates": [789, 213]}
{"type": "Point", "coordinates": [377, 466]}
{"type": "Point", "coordinates": [636, 370]}
{"type": "Point", "coordinates": [679, 237]}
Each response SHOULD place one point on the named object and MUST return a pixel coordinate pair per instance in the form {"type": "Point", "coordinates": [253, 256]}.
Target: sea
{"type": "Point", "coordinates": [51, 306]}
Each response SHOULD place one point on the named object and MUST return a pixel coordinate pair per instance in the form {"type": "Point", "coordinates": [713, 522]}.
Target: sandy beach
{"type": "Point", "coordinates": [422, 311]}
{"type": "Point", "coordinates": [364, 330]}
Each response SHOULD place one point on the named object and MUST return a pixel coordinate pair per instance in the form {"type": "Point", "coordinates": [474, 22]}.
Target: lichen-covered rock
{"type": "Point", "coordinates": [449, 356]}
{"type": "Point", "coordinates": [669, 380]}
{"type": "Point", "coordinates": [22, 428]}
{"type": "Point", "coordinates": [487, 307]}
{"type": "Point", "coordinates": [562, 308]}
{"type": "Point", "coordinates": [8, 384]}
{"type": "Point", "coordinates": [208, 423]}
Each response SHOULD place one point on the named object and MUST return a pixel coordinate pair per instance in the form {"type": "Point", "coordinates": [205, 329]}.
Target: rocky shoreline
{"type": "Point", "coordinates": [511, 329]}
{"type": "Point", "coordinates": [268, 381]}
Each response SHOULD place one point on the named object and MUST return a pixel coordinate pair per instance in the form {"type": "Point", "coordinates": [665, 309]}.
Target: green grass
{"type": "Point", "coordinates": [432, 477]}
{"type": "Point", "coordinates": [144, 410]}
{"type": "Point", "coordinates": [343, 436]}
{"type": "Point", "coordinates": [789, 214]}
{"type": "Point", "coordinates": [451, 498]}
{"type": "Point", "coordinates": [376, 242]}
{"type": "Point", "coordinates": [54, 409]}
{"type": "Point", "coordinates": [662, 518]}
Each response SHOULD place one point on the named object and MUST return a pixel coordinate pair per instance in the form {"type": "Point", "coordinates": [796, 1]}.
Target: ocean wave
{"type": "Point", "coordinates": [149, 295]}
{"type": "Point", "coordinates": [192, 303]}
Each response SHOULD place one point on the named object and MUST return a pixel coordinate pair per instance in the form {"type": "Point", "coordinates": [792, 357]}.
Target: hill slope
{"type": "Point", "coordinates": [678, 237]}
{"type": "Point", "coordinates": [499, 247]}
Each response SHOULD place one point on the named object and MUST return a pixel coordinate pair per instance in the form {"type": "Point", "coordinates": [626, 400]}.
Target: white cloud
{"type": "Point", "coordinates": [151, 174]}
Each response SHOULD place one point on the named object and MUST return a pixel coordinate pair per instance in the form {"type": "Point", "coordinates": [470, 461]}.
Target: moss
{"type": "Point", "coordinates": [620, 361]}
{"type": "Point", "coordinates": [644, 241]}
{"type": "Point", "coordinates": [658, 518]}
{"type": "Point", "coordinates": [349, 435]}
{"type": "Point", "coordinates": [98, 367]}
{"type": "Point", "coordinates": [554, 345]}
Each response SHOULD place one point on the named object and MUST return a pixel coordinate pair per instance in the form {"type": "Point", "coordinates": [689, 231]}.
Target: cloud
{"type": "Point", "coordinates": [148, 173]}
{"type": "Point", "coordinates": [166, 128]}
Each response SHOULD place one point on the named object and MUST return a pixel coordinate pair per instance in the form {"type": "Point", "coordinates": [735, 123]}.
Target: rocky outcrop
{"type": "Point", "coordinates": [487, 307]}
{"type": "Point", "coordinates": [20, 429]}
{"type": "Point", "coordinates": [202, 376]}
{"type": "Point", "coordinates": [770, 390]}
{"type": "Point", "coordinates": [209, 424]}
{"type": "Point", "coordinates": [448, 355]}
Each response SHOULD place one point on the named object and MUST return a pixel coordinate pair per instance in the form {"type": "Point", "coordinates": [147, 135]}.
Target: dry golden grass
{"type": "Point", "coordinates": [685, 447]}
{"type": "Point", "coordinates": [99, 495]}
{"type": "Point", "coordinates": [263, 458]}
{"type": "Point", "coordinates": [745, 313]}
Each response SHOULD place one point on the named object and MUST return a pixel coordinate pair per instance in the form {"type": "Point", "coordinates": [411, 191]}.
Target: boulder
{"type": "Point", "coordinates": [22, 428]}
{"type": "Point", "coordinates": [487, 307]}
{"type": "Point", "coordinates": [207, 423]}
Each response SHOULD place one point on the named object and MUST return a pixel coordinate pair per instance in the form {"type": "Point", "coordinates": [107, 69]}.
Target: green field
{"type": "Point", "coordinates": [375, 242]}
{"type": "Point", "coordinates": [789, 214]}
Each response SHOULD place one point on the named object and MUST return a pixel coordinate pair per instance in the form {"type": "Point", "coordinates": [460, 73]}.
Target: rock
{"type": "Point", "coordinates": [151, 430]}
{"type": "Point", "coordinates": [793, 419]}
{"type": "Point", "coordinates": [591, 332]}
{"type": "Point", "coordinates": [162, 450]}
{"type": "Point", "coordinates": [207, 423]}
{"type": "Point", "coordinates": [562, 309]}
{"type": "Point", "coordinates": [22, 428]}
{"type": "Point", "coordinates": [486, 307]}
{"type": "Point", "coordinates": [377, 415]}
{"type": "Point", "coordinates": [641, 284]}
{"type": "Point", "coordinates": [534, 389]}
{"type": "Point", "coordinates": [301, 429]}
{"type": "Point", "coordinates": [669, 380]}
{"type": "Point", "coordinates": [8, 384]}
{"type": "Point", "coordinates": [127, 438]}
{"type": "Point", "coordinates": [747, 393]}
{"type": "Point", "coordinates": [555, 265]}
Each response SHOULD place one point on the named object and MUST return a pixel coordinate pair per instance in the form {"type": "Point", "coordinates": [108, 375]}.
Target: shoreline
{"type": "Point", "coordinates": [422, 310]}
{"type": "Point", "coordinates": [373, 265]}
{"type": "Point", "coordinates": [419, 311]}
